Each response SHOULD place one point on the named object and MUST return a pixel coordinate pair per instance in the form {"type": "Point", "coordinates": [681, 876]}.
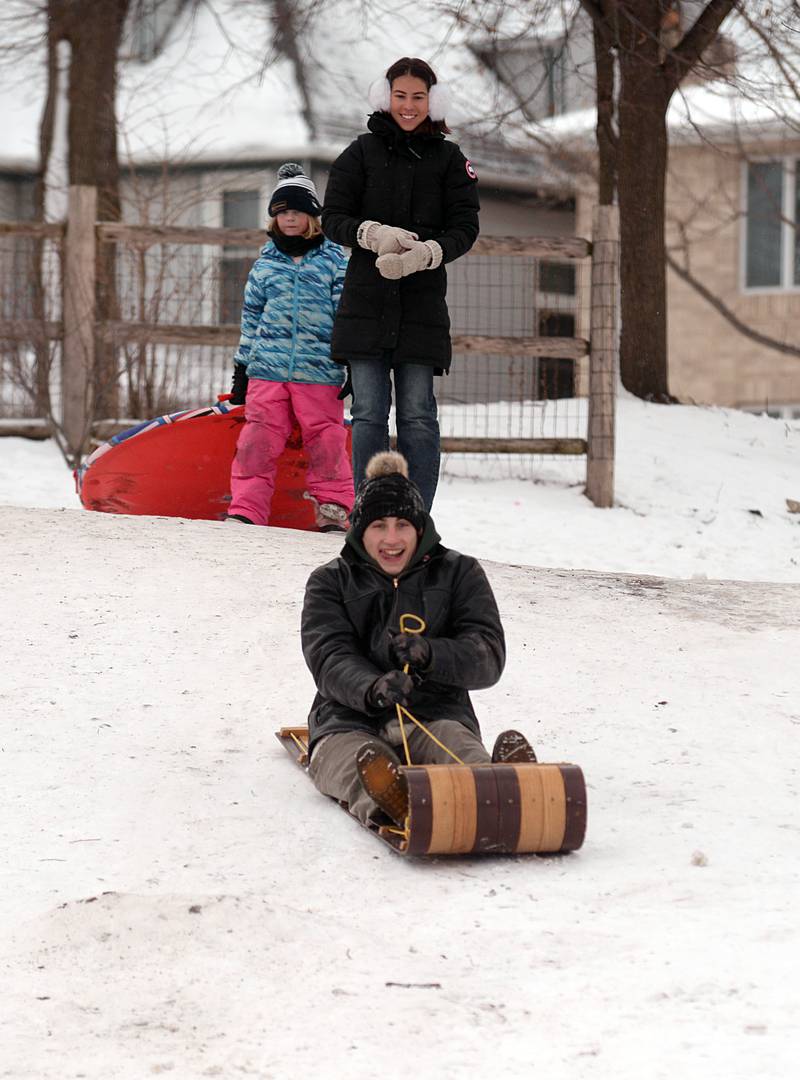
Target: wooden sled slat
{"type": "Point", "coordinates": [481, 809]}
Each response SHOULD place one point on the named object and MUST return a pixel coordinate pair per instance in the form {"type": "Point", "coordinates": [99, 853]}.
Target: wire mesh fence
{"type": "Point", "coordinates": [30, 297]}
{"type": "Point", "coordinates": [183, 299]}
{"type": "Point", "coordinates": [512, 396]}
{"type": "Point", "coordinates": [168, 285]}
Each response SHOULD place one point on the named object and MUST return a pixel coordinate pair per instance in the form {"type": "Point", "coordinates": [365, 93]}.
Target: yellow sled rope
{"type": "Point", "coordinates": [494, 808]}
{"type": "Point", "coordinates": [406, 627]}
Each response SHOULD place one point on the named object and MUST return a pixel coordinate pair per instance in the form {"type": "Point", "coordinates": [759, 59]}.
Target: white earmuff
{"type": "Point", "coordinates": [379, 95]}
{"type": "Point", "coordinates": [438, 101]}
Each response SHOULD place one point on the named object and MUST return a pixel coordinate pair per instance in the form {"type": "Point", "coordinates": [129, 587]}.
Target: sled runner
{"type": "Point", "coordinates": [480, 809]}
{"type": "Point", "coordinates": [179, 465]}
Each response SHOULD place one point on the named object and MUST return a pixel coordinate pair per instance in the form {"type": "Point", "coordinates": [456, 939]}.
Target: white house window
{"type": "Point", "coordinates": [772, 243]}
{"type": "Point", "coordinates": [150, 22]}
{"type": "Point", "coordinates": [534, 72]}
{"type": "Point", "coordinates": [240, 210]}
{"type": "Point", "coordinates": [557, 278]}
{"type": "Point", "coordinates": [547, 76]}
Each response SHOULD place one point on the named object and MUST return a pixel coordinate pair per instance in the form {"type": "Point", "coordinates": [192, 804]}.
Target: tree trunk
{"type": "Point", "coordinates": [641, 173]}
{"type": "Point", "coordinates": [94, 31]}
{"type": "Point", "coordinates": [41, 388]}
{"type": "Point", "coordinates": [606, 137]}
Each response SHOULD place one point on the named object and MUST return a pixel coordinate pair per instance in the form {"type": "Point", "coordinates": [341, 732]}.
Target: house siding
{"type": "Point", "coordinates": [711, 362]}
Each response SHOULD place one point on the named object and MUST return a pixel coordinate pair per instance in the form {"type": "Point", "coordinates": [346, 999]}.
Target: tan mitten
{"type": "Point", "coordinates": [419, 255]}
{"type": "Point", "coordinates": [383, 239]}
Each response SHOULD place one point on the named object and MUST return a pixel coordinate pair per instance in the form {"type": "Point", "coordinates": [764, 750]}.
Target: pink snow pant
{"type": "Point", "coordinates": [269, 412]}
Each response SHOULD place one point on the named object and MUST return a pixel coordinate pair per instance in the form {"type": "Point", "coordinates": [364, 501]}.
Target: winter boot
{"type": "Point", "coordinates": [240, 518]}
{"type": "Point", "coordinates": [512, 748]}
{"type": "Point", "coordinates": [382, 780]}
{"type": "Point", "coordinates": [329, 516]}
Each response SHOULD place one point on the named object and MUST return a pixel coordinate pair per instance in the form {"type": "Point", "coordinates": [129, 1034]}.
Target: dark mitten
{"type": "Point", "coordinates": [411, 649]}
{"type": "Point", "coordinates": [393, 688]}
{"type": "Point", "coordinates": [347, 388]}
{"type": "Point", "coordinates": [239, 385]}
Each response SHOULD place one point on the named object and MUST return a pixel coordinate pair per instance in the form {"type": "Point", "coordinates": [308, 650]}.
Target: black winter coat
{"type": "Point", "coordinates": [418, 182]}
{"type": "Point", "coordinates": [351, 605]}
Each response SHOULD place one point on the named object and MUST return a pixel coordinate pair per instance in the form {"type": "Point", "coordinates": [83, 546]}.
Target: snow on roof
{"type": "Point", "coordinates": [210, 95]}
{"type": "Point", "coordinates": [716, 109]}
{"type": "Point", "coordinates": [204, 97]}
{"type": "Point", "coordinates": [215, 95]}
{"type": "Point", "coordinates": [696, 114]}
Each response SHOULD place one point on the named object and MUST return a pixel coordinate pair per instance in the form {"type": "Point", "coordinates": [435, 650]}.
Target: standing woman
{"type": "Point", "coordinates": [406, 201]}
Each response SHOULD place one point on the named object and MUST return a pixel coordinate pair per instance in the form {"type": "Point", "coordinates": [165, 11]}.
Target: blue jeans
{"type": "Point", "coordinates": [416, 415]}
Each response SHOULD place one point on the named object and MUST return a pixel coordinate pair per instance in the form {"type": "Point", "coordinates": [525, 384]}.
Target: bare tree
{"type": "Point", "coordinates": [650, 71]}
{"type": "Point", "coordinates": [93, 29]}
{"type": "Point", "coordinates": [645, 52]}
{"type": "Point", "coordinates": [642, 51]}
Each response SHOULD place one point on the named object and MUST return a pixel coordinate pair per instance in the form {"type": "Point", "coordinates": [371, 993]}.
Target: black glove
{"type": "Point", "coordinates": [393, 688]}
{"type": "Point", "coordinates": [412, 649]}
{"type": "Point", "coordinates": [347, 388]}
{"type": "Point", "coordinates": [239, 385]}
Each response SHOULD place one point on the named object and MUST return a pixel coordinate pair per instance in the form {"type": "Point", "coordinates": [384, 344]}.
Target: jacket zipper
{"type": "Point", "coordinates": [393, 617]}
{"type": "Point", "coordinates": [295, 305]}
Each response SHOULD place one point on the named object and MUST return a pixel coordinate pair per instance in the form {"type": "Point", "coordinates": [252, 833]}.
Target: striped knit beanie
{"type": "Point", "coordinates": [294, 191]}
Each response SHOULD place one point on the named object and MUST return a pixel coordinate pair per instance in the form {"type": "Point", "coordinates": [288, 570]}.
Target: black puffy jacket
{"type": "Point", "coordinates": [418, 182]}
{"type": "Point", "coordinates": [351, 605]}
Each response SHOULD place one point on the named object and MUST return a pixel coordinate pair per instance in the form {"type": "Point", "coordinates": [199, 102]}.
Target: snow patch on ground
{"type": "Point", "coordinates": [700, 493]}
{"type": "Point", "coordinates": [179, 899]}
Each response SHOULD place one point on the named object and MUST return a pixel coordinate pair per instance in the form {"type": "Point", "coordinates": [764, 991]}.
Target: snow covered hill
{"type": "Point", "coordinates": [178, 899]}
{"type": "Point", "coordinates": [700, 493]}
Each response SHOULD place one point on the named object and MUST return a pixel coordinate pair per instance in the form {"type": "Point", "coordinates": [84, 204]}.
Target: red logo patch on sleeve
{"type": "Point", "coordinates": [470, 170]}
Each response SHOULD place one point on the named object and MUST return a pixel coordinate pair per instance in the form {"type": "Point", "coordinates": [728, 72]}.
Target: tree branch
{"type": "Point", "coordinates": [722, 309]}
{"type": "Point", "coordinates": [680, 61]}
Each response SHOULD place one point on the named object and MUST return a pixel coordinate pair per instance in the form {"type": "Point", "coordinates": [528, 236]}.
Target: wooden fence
{"type": "Point", "coordinates": [81, 332]}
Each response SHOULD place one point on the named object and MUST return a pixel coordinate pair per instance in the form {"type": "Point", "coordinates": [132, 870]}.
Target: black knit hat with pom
{"type": "Point", "coordinates": [386, 491]}
{"type": "Point", "coordinates": [294, 191]}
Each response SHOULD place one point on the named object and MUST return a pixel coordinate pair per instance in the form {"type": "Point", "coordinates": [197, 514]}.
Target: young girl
{"type": "Point", "coordinates": [283, 365]}
{"type": "Point", "coordinates": [405, 200]}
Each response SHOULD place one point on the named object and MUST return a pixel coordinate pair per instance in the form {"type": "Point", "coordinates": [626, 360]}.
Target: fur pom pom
{"type": "Point", "coordinates": [385, 464]}
{"type": "Point", "coordinates": [290, 169]}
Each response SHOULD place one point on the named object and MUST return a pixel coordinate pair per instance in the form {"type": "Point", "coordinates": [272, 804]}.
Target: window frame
{"type": "Point", "coordinates": [790, 233]}
{"type": "Point", "coordinates": [150, 25]}
{"type": "Point", "coordinates": [550, 82]}
{"type": "Point", "coordinates": [233, 259]}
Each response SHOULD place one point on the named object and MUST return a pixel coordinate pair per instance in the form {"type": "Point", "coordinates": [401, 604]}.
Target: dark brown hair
{"type": "Point", "coordinates": [420, 69]}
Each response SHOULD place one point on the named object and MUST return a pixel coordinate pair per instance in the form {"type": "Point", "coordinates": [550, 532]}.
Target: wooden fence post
{"type": "Point", "coordinates": [77, 360]}
{"type": "Point", "coordinates": [603, 356]}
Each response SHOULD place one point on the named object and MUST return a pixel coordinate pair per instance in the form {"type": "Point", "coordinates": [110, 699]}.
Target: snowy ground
{"type": "Point", "coordinates": [178, 899]}
{"type": "Point", "coordinates": [700, 493]}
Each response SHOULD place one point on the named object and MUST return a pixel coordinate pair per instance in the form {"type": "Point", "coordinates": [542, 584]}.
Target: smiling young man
{"type": "Point", "coordinates": [394, 564]}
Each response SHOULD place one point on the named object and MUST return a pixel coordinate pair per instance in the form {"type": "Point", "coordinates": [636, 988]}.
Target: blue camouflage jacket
{"type": "Point", "coordinates": [287, 316]}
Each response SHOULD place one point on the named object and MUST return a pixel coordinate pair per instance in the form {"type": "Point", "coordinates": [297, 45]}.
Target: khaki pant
{"type": "Point", "coordinates": [333, 762]}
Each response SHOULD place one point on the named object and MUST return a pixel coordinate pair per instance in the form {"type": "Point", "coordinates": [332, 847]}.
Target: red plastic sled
{"type": "Point", "coordinates": [180, 466]}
